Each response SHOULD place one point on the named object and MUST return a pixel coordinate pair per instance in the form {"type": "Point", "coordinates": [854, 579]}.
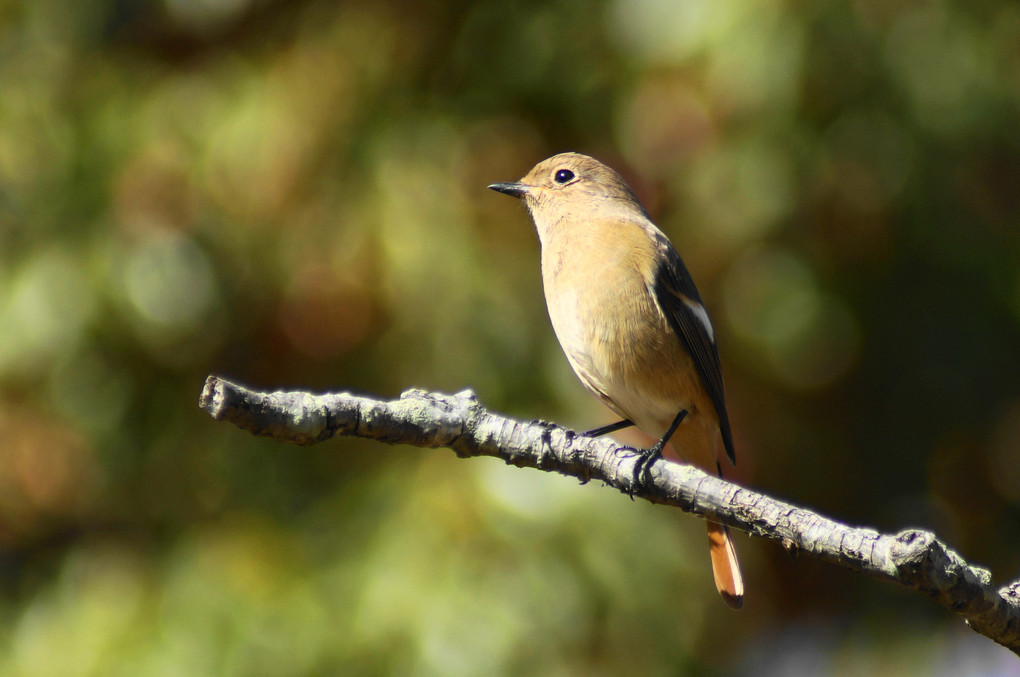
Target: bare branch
{"type": "Point", "coordinates": [913, 558]}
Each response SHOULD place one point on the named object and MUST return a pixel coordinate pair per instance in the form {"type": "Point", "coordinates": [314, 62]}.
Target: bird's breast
{"type": "Point", "coordinates": [610, 327]}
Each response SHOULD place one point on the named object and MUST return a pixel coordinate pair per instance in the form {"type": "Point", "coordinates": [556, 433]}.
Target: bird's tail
{"type": "Point", "coordinates": [725, 567]}
{"type": "Point", "coordinates": [728, 580]}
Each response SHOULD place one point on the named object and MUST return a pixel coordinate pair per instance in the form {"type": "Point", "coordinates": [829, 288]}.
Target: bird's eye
{"type": "Point", "coordinates": [563, 176]}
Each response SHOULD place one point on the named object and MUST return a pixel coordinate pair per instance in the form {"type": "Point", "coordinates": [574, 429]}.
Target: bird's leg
{"type": "Point", "coordinates": [654, 453]}
{"type": "Point", "coordinates": [611, 428]}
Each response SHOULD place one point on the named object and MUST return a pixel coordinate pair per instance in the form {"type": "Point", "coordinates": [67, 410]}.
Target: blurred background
{"type": "Point", "coordinates": [292, 195]}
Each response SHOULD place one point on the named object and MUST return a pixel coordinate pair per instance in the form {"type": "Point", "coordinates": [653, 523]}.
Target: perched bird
{"type": "Point", "coordinates": [630, 320]}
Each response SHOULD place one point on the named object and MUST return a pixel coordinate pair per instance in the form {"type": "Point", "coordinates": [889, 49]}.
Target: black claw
{"type": "Point", "coordinates": [643, 467]}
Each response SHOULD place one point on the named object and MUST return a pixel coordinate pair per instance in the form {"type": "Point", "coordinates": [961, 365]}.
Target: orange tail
{"type": "Point", "coordinates": [725, 567]}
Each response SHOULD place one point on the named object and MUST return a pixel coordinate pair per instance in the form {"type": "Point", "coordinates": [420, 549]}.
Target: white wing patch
{"type": "Point", "coordinates": [699, 312]}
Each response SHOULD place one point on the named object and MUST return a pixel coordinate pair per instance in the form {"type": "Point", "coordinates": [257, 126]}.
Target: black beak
{"type": "Point", "coordinates": [512, 189]}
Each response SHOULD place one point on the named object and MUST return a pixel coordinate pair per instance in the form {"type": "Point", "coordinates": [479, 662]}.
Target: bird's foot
{"type": "Point", "coordinates": [642, 468]}
{"type": "Point", "coordinates": [649, 456]}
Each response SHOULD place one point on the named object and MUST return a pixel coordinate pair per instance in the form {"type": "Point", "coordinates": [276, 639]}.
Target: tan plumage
{"type": "Point", "coordinates": [630, 319]}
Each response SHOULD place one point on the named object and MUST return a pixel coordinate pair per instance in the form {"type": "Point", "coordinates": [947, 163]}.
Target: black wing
{"type": "Point", "coordinates": [674, 291]}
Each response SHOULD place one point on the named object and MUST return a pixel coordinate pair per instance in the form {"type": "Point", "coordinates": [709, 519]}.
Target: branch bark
{"type": "Point", "coordinates": [912, 558]}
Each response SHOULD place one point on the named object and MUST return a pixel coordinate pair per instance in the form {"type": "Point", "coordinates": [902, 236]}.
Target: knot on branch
{"type": "Point", "coordinates": [914, 551]}
{"type": "Point", "coordinates": [437, 418]}
{"type": "Point", "coordinates": [931, 566]}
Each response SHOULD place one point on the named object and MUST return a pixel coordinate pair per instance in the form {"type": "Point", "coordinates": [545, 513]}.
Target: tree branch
{"type": "Point", "coordinates": [912, 558]}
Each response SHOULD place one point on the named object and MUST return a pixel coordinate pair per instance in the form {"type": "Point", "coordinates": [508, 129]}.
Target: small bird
{"type": "Point", "coordinates": [630, 320]}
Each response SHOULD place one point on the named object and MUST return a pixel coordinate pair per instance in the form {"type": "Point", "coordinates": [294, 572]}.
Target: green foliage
{"type": "Point", "coordinates": [292, 194]}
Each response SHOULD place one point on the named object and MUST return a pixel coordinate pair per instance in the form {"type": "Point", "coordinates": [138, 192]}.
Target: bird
{"type": "Point", "coordinates": [631, 321]}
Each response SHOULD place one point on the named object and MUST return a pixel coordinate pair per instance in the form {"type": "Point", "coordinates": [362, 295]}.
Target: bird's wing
{"type": "Point", "coordinates": [680, 302]}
